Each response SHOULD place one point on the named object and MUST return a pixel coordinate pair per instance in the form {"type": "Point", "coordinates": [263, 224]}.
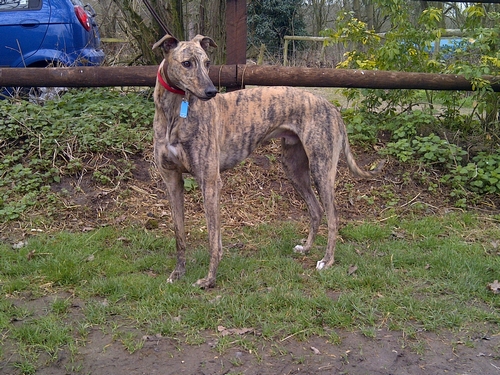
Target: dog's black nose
{"type": "Point", "coordinates": [211, 92]}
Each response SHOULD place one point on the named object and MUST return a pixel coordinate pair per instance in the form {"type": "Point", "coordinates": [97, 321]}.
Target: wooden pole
{"type": "Point", "coordinates": [238, 76]}
{"type": "Point", "coordinates": [236, 34]}
{"type": "Point", "coordinates": [350, 78]}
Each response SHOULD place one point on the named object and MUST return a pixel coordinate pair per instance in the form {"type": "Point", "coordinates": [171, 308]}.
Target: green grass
{"type": "Point", "coordinates": [422, 273]}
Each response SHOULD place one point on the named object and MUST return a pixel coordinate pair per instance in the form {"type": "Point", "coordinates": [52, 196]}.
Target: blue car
{"type": "Point", "coordinates": [41, 33]}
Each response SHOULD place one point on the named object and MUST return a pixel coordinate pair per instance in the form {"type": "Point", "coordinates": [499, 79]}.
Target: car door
{"type": "Point", "coordinates": [23, 25]}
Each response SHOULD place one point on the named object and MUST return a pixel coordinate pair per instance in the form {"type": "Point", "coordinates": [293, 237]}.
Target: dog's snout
{"type": "Point", "coordinates": [211, 92]}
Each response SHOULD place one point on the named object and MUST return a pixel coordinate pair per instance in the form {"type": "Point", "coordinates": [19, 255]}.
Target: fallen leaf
{"type": "Point", "coordinates": [151, 273]}
{"type": "Point", "coordinates": [352, 269]}
{"type": "Point", "coordinates": [233, 331]}
{"type": "Point", "coordinates": [221, 328]}
{"type": "Point", "coordinates": [241, 331]}
{"type": "Point", "coordinates": [398, 233]}
{"type": "Point", "coordinates": [315, 351]}
{"type": "Point", "coordinates": [494, 287]}
{"type": "Point", "coordinates": [90, 258]}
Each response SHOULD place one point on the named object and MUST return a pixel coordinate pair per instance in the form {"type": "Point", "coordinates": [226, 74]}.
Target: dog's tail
{"type": "Point", "coordinates": [353, 165]}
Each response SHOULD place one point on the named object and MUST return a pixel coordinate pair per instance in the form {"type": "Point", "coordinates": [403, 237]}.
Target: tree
{"type": "Point", "coordinates": [270, 20]}
{"type": "Point", "coordinates": [212, 23]}
{"type": "Point", "coordinates": [143, 31]}
{"type": "Point", "coordinates": [320, 13]}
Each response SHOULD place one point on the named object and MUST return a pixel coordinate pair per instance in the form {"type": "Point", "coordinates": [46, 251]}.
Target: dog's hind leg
{"type": "Point", "coordinates": [323, 172]}
{"type": "Point", "coordinates": [175, 190]}
{"type": "Point", "coordinates": [296, 166]}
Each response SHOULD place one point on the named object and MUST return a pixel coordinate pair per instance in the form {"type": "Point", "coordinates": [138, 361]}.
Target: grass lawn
{"type": "Point", "coordinates": [418, 273]}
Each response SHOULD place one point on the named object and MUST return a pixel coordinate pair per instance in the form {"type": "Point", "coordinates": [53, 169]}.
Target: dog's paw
{"type": "Point", "coordinates": [176, 275]}
{"type": "Point", "coordinates": [204, 283]}
{"type": "Point", "coordinates": [323, 264]}
{"type": "Point", "coordinates": [320, 264]}
{"type": "Point", "coordinates": [299, 249]}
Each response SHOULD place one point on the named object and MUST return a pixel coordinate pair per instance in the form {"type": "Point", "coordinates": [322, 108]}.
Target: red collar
{"type": "Point", "coordinates": [166, 85]}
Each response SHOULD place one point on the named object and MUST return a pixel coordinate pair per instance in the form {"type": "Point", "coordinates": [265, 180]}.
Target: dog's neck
{"type": "Point", "coordinates": [166, 83]}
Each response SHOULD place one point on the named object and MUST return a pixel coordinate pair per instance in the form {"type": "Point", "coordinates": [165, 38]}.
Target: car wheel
{"type": "Point", "coordinates": [39, 95]}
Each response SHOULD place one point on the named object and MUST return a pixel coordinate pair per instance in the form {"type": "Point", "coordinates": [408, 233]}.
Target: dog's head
{"type": "Point", "coordinates": [187, 64]}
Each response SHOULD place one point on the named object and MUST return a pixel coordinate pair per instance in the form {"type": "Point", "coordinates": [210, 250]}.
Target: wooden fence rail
{"type": "Point", "coordinates": [238, 76]}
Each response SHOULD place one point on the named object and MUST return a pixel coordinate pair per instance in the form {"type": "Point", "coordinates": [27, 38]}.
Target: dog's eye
{"type": "Point", "coordinates": [186, 64]}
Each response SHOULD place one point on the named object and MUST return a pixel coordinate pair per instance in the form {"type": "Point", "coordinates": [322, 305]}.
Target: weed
{"type": "Point", "coordinates": [25, 367]}
{"type": "Point", "coordinates": [60, 306]}
{"type": "Point", "coordinates": [190, 184]}
{"type": "Point", "coordinates": [131, 342]}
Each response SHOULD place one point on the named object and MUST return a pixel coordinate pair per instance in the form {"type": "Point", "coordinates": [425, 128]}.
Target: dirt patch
{"type": "Point", "coordinates": [382, 352]}
{"type": "Point", "coordinates": [357, 354]}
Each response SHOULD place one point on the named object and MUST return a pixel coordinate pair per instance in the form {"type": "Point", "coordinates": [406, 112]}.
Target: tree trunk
{"type": "Point", "coordinates": [146, 33]}
{"type": "Point", "coordinates": [370, 15]}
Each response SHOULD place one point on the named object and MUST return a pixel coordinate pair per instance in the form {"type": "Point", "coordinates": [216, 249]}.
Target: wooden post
{"type": "Point", "coordinates": [236, 34]}
{"type": "Point", "coordinates": [285, 52]}
{"type": "Point", "coordinates": [262, 51]}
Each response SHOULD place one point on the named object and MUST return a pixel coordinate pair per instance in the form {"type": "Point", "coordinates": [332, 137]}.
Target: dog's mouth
{"type": "Point", "coordinates": [206, 97]}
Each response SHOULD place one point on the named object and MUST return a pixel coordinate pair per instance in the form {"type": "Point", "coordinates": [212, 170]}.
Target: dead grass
{"type": "Point", "coordinates": [254, 192]}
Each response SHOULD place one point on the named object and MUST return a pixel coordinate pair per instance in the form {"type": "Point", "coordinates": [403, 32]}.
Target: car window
{"type": "Point", "coordinates": [10, 5]}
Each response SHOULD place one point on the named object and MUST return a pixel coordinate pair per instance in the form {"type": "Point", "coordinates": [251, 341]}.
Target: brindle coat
{"type": "Point", "coordinates": [221, 131]}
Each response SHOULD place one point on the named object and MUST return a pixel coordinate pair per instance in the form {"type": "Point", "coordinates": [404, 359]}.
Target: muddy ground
{"type": "Point", "coordinates": [387, 353]}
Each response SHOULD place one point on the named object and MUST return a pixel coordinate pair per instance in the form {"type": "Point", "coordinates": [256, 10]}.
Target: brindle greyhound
{"type": "Point", "coordinates": [197, 132]}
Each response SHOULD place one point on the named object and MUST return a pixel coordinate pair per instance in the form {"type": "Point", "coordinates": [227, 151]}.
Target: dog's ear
{"type": "Point", "coordinates": [167, 43]}
{"type": "Point", "coordinates": [204, 41]}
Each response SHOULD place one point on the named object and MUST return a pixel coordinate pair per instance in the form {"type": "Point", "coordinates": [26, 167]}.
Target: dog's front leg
{"type": "Point", "coordinates": [211, 195]}
{"type": "Point", "coordinates": [175, 190]}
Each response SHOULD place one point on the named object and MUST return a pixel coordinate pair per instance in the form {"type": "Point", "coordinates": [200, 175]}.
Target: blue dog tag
{"type": "Point", "coordinates": [184, 108]}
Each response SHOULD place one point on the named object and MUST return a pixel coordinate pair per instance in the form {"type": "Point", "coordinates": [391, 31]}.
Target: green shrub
{"type": "Point", "coordinates": [40, 144]}
{"type": "Point", "coordinates": [481, 176]}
